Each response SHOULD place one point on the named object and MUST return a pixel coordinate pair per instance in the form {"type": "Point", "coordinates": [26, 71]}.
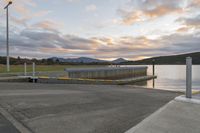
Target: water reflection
{"type": "Point", "coordinates": [172, 77]}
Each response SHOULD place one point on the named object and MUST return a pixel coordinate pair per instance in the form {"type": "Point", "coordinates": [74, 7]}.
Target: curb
{"type": "Point", "coordinates": [133, 129]}
{"type": "Point", "coordinates": [187, 100]}
{"type": "Point", "coordinates": [19, 126]}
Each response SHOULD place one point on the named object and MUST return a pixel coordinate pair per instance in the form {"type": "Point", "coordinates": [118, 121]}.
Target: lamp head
{"type": "Point", "coordinates": [10, 2]}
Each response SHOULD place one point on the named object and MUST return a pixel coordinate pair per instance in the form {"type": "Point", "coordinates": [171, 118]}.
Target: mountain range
{"type": "Point", "coordinates": [86, 60]}
{"type": "Point", "coordinates": [171, 59]}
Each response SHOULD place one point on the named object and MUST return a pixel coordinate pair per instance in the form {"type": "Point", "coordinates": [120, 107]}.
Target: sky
{"type": "Point", "coordinates": [103, 29]}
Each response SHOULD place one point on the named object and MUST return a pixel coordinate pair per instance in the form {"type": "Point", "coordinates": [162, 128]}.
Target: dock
{"type": "Point", "coordinates": [107, 72]}
{"type": "Point", "coordinates": [99, 76]}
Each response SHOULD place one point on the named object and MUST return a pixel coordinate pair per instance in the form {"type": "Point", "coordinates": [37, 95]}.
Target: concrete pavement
{"type": "Point", "coordinates": [61, 108]}
{"type": "Point", "coordinates": [179, 116]}
{"type": "Point", "coordinates": [6, 126]}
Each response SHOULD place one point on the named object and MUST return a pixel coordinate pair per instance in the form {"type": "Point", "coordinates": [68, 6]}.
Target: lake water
{"type": "Point", "coordinates": [172, 77]}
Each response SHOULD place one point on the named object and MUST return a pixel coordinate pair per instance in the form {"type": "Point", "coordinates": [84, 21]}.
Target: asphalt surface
{"type": "Point", "coordinates": [65, 108]}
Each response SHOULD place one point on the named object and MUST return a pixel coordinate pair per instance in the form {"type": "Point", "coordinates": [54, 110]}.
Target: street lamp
{"type": "Point", "coordinates": [7, 36]}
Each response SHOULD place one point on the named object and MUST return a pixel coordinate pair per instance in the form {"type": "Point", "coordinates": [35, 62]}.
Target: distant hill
{"type": "Point", "coordinates": [119, 60]}
{"type": "Point", "coordinates": [78, 60]}
{"type": "Point", "coordinates": [173, 59]}
{"type": "Point", "coordinates": [87, 60]}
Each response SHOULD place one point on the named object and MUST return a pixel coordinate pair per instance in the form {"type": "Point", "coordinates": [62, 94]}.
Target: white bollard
{"type": "Point", "coordinates": [188, 77]}
{"type": "Point", "coordinates": [33, 69]}
{"type": "Point", "coordinates": [25, 70]}
{"type": "Point", "coordinates": [33, 72]}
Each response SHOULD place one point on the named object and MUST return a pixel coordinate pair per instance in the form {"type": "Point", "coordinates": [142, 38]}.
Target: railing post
{"type": "Point", "coordinates": [25, 72]}
{"type": "Point", "coordinates": [188, 77]}
{"type": "Point", "coordinates": [33, 69]}
{"type": "Point", "coordinates": [33, 72]}
{"type": "Point", "coordinates": [153, 67]}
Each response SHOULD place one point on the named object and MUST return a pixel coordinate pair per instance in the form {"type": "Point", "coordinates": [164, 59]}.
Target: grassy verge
{"type": "Point", "coordinates": [42, 68]}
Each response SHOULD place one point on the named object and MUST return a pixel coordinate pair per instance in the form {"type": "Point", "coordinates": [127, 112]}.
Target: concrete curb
{"type": "Point", "coordinates": [14, 79]}
{"type": "Point", "coordinates": [133, 129]}
{"type": "Point", "coordinates": [187, 100]}
{"type": "Point", "coordinates": [63, 80]}
{"type": "Point", "coordinates": [19, 126]}
{"type": "Point", "coordinates": [181, 98]}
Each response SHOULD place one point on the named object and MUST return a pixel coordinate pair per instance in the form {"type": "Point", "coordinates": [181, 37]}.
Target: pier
{"type": "Point", "coordinates": [101, 75]}
{"type": "Point", "coordinates": [107, 72]}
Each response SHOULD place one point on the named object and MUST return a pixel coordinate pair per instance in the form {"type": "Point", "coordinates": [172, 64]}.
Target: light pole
{"type": "Point", "coordinates": [7, 37]}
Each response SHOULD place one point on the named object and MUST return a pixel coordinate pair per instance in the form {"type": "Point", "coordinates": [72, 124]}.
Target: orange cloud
{"type": "Point", "coordinates": [161, 11]}
{"type": "Point", "coordinates": [150, 9]}
{"type": "Point", "coordinates": [195, 3]}
{"type": "Point", "coordinates": [190, 23]}
{"type": "Point", "coordinates": [48, 25]}
{"type": "Point", "coordinates": [183, 29]}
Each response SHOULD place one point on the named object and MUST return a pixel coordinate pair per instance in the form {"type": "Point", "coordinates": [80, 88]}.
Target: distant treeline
{"type": "Point", "coordinates": [20, 61]}
{"type": "Point", "coordinates": [162, 60]}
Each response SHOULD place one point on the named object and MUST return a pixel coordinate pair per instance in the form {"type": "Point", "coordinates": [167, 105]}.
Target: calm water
{"type": "Point", "coordinates": [172, 77]}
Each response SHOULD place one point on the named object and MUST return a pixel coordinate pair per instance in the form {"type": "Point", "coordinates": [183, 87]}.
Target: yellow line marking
{"type": "Point", "coordinates": [44, 77]}
{"type": "Point", "coordinates": [195, 92]}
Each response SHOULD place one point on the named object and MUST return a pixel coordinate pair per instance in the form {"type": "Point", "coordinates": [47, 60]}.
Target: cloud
{"type": "Point", "coordinates": [139, 10]}
{"type": "Point", "coordinates": [189, 23]}
{"type": "Point", "coordinates": [22, 12]}
{"type": "Point", "coordinates": [22, 7]}
{"type": "Point", "coordinates": [194, 3]}
{"type": "Point", "coordinates": [47, 43]}
{"type": "Point", "coordinates": [91, 8]}
{"type": "Point", "coordinates": [48, 25]}
{"type": "Point", "coordinates": [71, 0]}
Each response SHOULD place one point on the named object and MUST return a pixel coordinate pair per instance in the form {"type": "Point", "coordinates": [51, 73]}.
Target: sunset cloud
{"type": "Point", "coordinates": [193, 22]}
{"type": "Point", "coordinates": [138, 10]}
{"type": "Point", "coordinates": [48, 25]}
{"type": "Point", "coordinates": [47, 44]}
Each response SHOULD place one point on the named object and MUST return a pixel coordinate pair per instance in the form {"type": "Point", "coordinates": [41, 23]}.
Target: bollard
{"type": "Point", "coordinates": [188, 77]}
{"type": "Point", "coordinates": [153, 83]}
{"type": "Point", "coordinates": [153, 66]}
{"type": "Point", "coordinates": [25, 72]}
{"type": "Point", "coordinates": [33, 72]}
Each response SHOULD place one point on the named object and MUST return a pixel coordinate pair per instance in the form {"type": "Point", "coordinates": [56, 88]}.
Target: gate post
{"type": "Point", "coordinates": [33, 77]}
{"type": "Point", "coordinates": [25, 70]}
{"type": "Point", "coordinates": [33, 69]}
{"type": "Point", "coordinates": [188, 77]}
{"type": "Point", "coordinates": [153, 67]}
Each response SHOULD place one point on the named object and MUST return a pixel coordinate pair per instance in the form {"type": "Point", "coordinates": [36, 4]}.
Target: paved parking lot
{"type": "Point", "coordinates": [65, 108]}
